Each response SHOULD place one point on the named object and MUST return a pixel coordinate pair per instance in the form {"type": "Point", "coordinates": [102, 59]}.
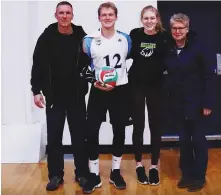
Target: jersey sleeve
{"type": "Point", "coordinates": [87, 45]}
{"type": "Point", "coordinates": [129, 42]}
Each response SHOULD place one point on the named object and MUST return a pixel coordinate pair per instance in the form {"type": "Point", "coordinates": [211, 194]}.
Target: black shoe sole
{"type": "Point", "coordinates": [53, 188]}
{"type": "Point", "coordinates": [117, 187]}
{"type": "Point", "coordinates": [196, 189]}
{"type": "Point", "coordinates": [183, 187]}
{"type": "Point", "coordinates": [60, 183]}
{"type": "Point", "coordinates": [89, 192]}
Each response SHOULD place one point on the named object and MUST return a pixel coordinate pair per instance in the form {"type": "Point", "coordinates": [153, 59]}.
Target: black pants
{"type": "Point", "coordinates": [99, 102]}
{"type": "Point", "coordinates": [76, 117]}
{"type": "Point", "coordinates": [193, 149]}
{"type": "Point", "coordinates": [153, 99]}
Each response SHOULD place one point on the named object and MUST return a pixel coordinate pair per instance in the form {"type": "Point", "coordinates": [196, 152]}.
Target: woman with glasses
{"type": "Point", "coordinates": [145, 79]}
{"type": "Point", "coordinates": [191, 71]}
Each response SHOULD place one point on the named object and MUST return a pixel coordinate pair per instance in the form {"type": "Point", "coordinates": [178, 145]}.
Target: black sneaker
{"type": "Point", "coordinates": [141, 175]}
{"type": "Point", "coordinates": [94, 181]}
{"type": "Point", "coordinates": [81, 181]}
{"type": "Point", "coordinates": [54, 183]}
{"type": "Point", "coordinates": [196, 185]}
{"type": "Point", "coordinates": [154, 177]}
{"type": "Point", "coordinates": [184, 182]}
{"type": "Point", "coordinates": [117, 179]}
{"type": "Point", "coordinates": [82, 178]}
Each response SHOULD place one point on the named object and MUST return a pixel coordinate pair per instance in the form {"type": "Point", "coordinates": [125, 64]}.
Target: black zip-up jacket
{"type": "Point", "coordinates": [50, 74]}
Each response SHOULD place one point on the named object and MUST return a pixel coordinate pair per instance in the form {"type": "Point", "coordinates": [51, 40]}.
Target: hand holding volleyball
{"type": "Point", "coordinates": [106, 78]}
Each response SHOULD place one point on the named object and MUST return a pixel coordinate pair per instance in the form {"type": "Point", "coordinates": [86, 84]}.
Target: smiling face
{"type": "Point", "coordinates": [64, 15]}
{"type": "Point", "coordinates": [179, 30]}
{"type": "Point", "coordinates": [107, 17]}
{"type": "Point", "coordinates": [149, 21]}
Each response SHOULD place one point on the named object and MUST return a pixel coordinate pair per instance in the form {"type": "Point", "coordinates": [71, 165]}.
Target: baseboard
{"type": "Point", "coordinates": [128, 149]}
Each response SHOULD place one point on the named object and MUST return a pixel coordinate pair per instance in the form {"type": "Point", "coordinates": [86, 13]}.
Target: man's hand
{"type": "Point", "coordinates": [39, 101]}
{"type": "Point", "coordinates": [103, 86]}
{"type": "Point", "coordinates": [206, 112]}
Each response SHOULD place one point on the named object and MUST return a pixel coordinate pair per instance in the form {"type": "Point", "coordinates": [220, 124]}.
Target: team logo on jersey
{"type": "Point", "coordinates": [97, 40]}
{"type": "Point", "coordinates": [119, 40]}
{"type": "Point", "coordinates": [147, 49]}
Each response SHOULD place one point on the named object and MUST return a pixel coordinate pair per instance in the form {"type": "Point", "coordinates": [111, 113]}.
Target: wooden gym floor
{"type": "Point", "coordinates": [31, 179]}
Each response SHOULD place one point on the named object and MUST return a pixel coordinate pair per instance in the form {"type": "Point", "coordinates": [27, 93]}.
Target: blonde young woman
{"type": "Point", "coordinates": [145, 79]}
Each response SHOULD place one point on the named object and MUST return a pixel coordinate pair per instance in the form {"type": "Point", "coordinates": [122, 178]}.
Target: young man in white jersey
{"type": "Point", "coordinates": [107, 47]}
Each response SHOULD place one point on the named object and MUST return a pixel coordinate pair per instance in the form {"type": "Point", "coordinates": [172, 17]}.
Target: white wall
{"type": "Point", "coordinates": [22, 23]}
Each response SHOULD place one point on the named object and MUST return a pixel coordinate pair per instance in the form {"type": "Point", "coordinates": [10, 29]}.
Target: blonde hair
{"type": "Point", "coordinates": [159, 25]}
{"type": "Point", "coordinates": [180, 17]}
{"type": "Point", "coordinates": [107, 5]}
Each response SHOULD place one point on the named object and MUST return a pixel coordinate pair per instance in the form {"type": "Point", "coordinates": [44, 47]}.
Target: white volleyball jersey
{"type": "Point", "coordinates": [111, 52]}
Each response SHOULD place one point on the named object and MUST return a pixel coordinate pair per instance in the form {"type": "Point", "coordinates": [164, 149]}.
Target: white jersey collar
{"type": "Point", "coordinates": [97, 34]}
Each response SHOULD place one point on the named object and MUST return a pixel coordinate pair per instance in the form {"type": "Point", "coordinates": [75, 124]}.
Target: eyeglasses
{"type": "Point", "coordinates": [178, 28]}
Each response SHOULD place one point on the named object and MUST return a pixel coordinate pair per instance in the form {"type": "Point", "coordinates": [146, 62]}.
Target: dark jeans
{"type": "Point", "coordinates": [193, 149]}
{"type": "Point", "coordinates": [152, 97]}
{"type": "Point", "coordinates": [76, 117]}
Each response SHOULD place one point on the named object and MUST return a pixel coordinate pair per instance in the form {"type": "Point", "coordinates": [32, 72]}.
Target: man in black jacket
{"type": "Point", "coordinates": [57, 63]}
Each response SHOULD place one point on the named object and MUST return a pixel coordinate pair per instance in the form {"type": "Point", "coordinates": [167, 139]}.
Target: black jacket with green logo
{"type": "Point", "coordinates": [148, 52]}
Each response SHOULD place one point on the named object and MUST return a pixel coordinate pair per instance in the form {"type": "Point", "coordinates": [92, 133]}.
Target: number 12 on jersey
{"type": "Point", "coordinates": [118, 58]}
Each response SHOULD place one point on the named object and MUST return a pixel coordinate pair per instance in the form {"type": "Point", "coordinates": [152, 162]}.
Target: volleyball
{"type": "Point", "coordinates": [108, 76]}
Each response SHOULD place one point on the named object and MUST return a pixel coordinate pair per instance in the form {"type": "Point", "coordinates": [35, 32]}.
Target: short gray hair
{"type": "Point", "coordinates": [180, 17]}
